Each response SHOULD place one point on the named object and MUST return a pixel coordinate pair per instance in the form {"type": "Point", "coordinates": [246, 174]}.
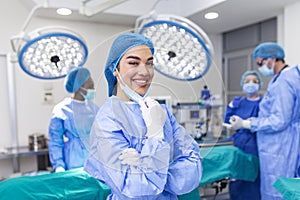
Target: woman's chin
{"type": "Point", "coordinates": [141, 91]}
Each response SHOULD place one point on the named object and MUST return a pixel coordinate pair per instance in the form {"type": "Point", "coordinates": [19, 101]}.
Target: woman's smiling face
{"type": "Point", "coordinates": [136, 69]}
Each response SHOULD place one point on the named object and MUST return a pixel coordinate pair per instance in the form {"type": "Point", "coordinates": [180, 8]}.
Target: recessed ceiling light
{"type": "Point", "coordinates": [211, 15]}
{"type": "Point", "coordinates": [64, 11]}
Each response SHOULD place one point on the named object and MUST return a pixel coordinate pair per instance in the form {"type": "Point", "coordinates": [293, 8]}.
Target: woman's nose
{"type": "Point", "coordinates": [142, 69]}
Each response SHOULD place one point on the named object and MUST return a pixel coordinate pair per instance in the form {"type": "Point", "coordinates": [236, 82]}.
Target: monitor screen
{"type": "Point", "coordinates": [194, 114]}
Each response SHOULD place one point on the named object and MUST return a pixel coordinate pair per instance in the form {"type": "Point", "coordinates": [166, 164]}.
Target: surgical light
{"type": "Point", "coordinates": [51, 55]}
{"type": "Point", "coordinates": [182, 49]}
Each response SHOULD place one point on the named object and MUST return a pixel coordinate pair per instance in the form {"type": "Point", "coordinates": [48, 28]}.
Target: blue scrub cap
{"type": "Point", "coordinates": [120, 46]}
{"type": "Point", "coordinates": [255, 73]}
{"type": "Point", "coordinates": [76, 78]}
{"type": "Point", "coordinates": [268, 50]}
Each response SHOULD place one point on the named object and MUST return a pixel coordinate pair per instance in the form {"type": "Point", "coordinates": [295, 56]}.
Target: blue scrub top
{"type": "Point", "coordinates": [69, 131]}
{"type": "Point", "coordinates": [168, 167]}
{"type": "Point", "coordinates": [278, 131]}
{"type": "Point", "coordinates": [246, 108]}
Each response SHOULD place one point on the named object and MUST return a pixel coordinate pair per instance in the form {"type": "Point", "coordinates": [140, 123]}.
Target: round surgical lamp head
{"type": "Point", "coordinates": [182, 49]}
{"type": "Point", "coordinates": [52, 55]}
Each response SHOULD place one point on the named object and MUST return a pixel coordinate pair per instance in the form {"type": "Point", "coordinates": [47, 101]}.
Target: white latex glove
{"type": "Point", "coordinates": [238, 123]}
{"type": "Point", "coordinates": [154, 116]}
{"type": "Point", "coordinates": [60, 169]}
{"type": "Point", "coordinates": [251, 118]}
{"type": "Point", "coordinates": [130, 157]}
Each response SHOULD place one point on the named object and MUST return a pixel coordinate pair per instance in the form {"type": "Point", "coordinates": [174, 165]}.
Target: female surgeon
{"type": "Point", "coordinates": [137, 147]}
{"type": "Point", "coordinates": [71, 122]}
{"type": "Point", "coordinates": [245, 107]}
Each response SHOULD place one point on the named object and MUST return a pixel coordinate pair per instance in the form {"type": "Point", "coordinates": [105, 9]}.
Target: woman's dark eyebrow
{"type": "Point", "coordinates": [138, 58]}
{"type": "Point", "coordinates": [133, 57]}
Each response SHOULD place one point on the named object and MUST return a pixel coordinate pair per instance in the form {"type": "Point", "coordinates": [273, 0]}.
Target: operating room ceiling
{"type": "Point", "coordinates": [233, 13]}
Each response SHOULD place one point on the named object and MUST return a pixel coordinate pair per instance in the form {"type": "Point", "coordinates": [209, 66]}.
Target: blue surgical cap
{"type": "Point", "coordinates": [255, 73]}
{"type": "Point", "coordinates": [76, 78]}
{"type": "Point", "coordinates": [268, 50]}
{"type": "Point", "coordinates": [120, 46]}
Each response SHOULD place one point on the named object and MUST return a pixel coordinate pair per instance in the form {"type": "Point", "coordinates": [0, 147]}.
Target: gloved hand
{"type": "Point", "coordinates": [154, 116]}
{"type": "Point", "coordinates": [238, 123]}
{"type": "Point", "coordinates": [130, 157]}
{"type": "Point", "coordinates": [60, 169]}
{"type": "Point", "coordinates": [251, 118]}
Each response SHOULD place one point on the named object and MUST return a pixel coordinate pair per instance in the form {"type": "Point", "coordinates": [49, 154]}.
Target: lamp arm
{"type": "Point", "coordinates": [31, 14]}
{"type": "Point", "coordinates": [17, 40]}
{"type": "Point", "coordinates": [141, 19]}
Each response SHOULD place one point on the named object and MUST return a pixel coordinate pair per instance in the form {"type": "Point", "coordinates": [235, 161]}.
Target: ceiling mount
{"type": "Point", "coordinates": [86, 10]}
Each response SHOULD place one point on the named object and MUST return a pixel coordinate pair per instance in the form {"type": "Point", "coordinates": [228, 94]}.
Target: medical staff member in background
{"type": "Point", "coordinates": [71, 122]}
{"type": "Point", "coordinates": [278, 122]}
{"type": "Point", "coordinates": [137, 147]}
{"type": "Point", "coordinates": [245, 107]}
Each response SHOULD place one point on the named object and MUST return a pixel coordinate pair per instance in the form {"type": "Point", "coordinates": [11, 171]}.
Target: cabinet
{"type": "Point", "coordinates": [15, 153]}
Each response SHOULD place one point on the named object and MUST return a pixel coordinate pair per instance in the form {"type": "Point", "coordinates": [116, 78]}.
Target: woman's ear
{"type": "Point", "coordinates": [115, 73]}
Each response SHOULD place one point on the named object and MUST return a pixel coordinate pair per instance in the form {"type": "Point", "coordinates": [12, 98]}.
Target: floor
{"type": "Point", "coordinates": [210, 193]}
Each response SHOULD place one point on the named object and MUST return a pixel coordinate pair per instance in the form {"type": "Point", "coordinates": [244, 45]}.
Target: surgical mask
{"type": "Point", "coordinates": [131, 94]}
{"type": "Point", "coordinates": [266, 71]}
{"type": "Point", "coordinates": [250, 88]}
{"type": "Point", "coordinates": [90, 94]}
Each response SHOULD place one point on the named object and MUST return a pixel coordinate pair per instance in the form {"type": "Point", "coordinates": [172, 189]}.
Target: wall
{"type": "Point", "coordinates": [33, 115]}
{"type": "Point", "coordinates": [291, 29]}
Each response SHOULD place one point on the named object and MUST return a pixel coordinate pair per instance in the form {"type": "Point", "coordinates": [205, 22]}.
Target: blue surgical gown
{"type": "Point", "coordinates": [72, 120]}
{"type": "Point", "coordinates": [167, 168]}
{"type": "Point", "coordinates": [245, 140]}
{"type": "Point", "coordinates": [278, 131]}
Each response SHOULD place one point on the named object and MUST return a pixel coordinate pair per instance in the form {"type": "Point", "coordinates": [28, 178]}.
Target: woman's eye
{"type": "Point", "coordinates": [149, 64]}
{"type": "Point", "coordinates": [134, 63]}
